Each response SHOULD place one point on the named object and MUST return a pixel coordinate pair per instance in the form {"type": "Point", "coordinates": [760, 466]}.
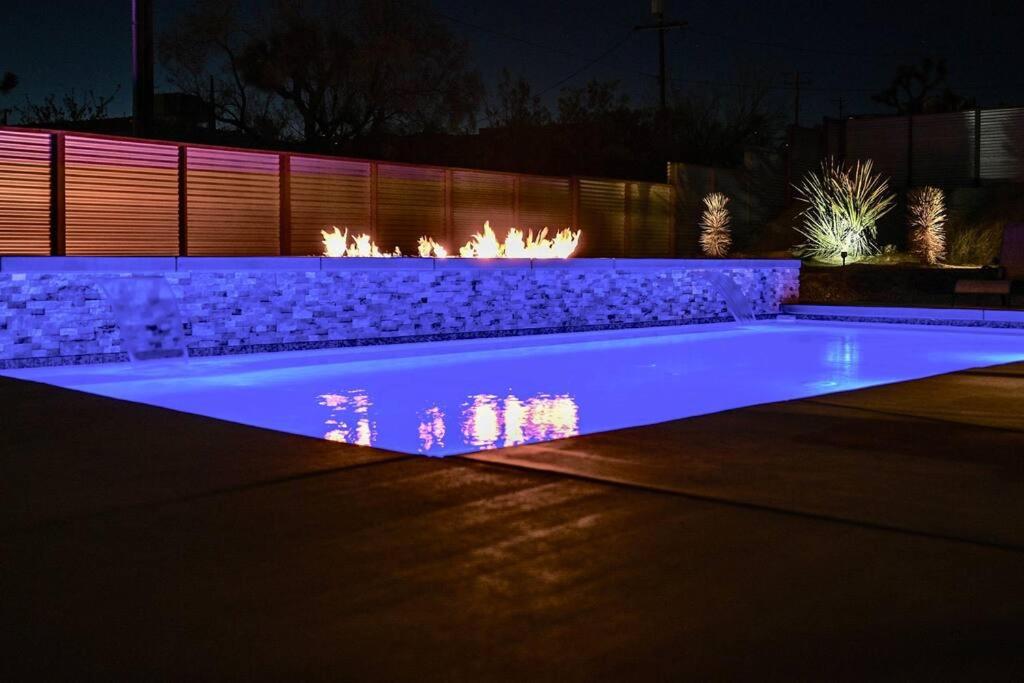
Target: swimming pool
{"type": "Point", "coordinates": [455, 397]}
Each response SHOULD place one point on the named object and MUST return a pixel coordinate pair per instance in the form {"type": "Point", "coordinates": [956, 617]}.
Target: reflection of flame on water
{"type": "Point", "coordinates": [431, 429]}
{"type": "Point", "coordinates": [350, 419]}
{"type": "Point", "coordinates": [489, 421]}
{"type": "Point", "coordinates": [843, 356]}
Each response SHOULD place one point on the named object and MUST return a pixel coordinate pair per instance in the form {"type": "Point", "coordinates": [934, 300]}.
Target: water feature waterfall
{"type": "Point", "coordinates": [148, 317]}
{"type": "Point", "coordinates": [738, 305]}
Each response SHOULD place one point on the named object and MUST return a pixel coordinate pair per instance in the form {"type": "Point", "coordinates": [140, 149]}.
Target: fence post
{"type": "Point", "coordinates": [515, 201]}
{"type": "Point", "coordinates": [284, 209]}
{"type": "Point", "coordinates": [574, 202]}
{"type": "Point", "coordinates": [182, 200]}
{"type": "Point", "coordinates": [627, 220]}
{"type": "Point", "coordinates": [449, 209]}
{"type": "Point", "coordinates": [374, 228]}
{"type": "Point", "coordinates": [673, 198]}
{"type": "Point", "coordinates": [58, 217]}
{"type": "Point", "coordinates": [977, 147]}
{"type": "Point", "coordinates": [910, 150]}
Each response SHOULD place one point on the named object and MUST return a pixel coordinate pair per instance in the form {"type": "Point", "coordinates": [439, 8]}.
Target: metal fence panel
{"type": "Point", "coordinates": [1002, 145]}
{"type": "Point", "coordinates": [883, 140]}
{"type": "Point", "coordinates": [233, 201]}
{"type": "Point", "coordinates": [121, 197]}
{"type": "Point", "coordinates": [327, 192]}
{"type": "Point", "coordinates": [24, 192]}
{"type": "Point", "coordinates": [943, 149]}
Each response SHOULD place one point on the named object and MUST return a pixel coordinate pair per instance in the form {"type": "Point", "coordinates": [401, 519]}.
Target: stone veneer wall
{"type": "Point", "coordinates": [53, 309]}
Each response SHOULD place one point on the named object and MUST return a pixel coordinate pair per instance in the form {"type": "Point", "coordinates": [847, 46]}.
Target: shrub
{"type": "Point", "coordinates": [974, 244]}
{"type": "Point", "coordinates": [715, 238]}
{"type": "Point", "coordinates": [844, 204]}
{"type": "Point", "coordinates": [926, 207]}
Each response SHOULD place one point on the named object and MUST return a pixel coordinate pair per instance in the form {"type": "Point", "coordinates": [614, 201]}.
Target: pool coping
{"type": "Point", "coordinates": [908, 315]}
{"type": "Point", "coordinates": [158, 264]}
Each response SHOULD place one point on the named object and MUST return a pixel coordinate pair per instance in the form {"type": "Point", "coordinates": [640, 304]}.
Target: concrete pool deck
{"type": "Point", "coordinates": [874, 534]}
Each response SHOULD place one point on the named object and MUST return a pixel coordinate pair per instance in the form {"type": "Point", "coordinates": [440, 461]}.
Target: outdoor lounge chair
{"type": "Point", "coordinates": [1011, 267]}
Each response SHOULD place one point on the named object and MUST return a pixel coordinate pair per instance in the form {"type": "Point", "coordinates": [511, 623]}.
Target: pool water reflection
{"type": "Point", "coordinates": [457, 397]}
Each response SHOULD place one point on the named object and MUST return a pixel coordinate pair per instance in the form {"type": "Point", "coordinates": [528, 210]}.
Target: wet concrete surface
{"type": "Point", "coordinates": [877, 534]}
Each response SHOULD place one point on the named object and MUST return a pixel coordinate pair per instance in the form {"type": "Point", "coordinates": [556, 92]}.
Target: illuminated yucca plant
{"type": "Point", "coordinates": [844, 204]}
{"type": "Point", "coordinates": [715, 238]}
{"type": "Point", "coordinates": [927, 209]}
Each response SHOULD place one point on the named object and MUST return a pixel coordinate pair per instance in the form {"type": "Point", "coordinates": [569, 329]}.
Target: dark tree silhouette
{"type": "Point", "coordinates": [515, 105]}
{"type": "Point", "coordinates": [8, 83]}
{"type": "Point", "coordinates": [68, 108]}
{"type": "Point", "coordinates": [922, 89]}
{"type": "Point", "coordinates": [327, 74]}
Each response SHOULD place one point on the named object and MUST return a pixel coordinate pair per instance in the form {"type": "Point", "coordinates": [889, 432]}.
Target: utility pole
{"type": "Point", "coordinates": [142, 66]}
{"type": "Point", "coordinates": [839, 103]}
{"type": "Point", "coordinates": [795, 84]}
{"type": "Point", "coordinates": [661, 25]}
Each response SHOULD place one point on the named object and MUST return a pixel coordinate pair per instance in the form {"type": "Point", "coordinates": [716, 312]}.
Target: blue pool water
{"type": "Point", "coordinates": [455, 397]}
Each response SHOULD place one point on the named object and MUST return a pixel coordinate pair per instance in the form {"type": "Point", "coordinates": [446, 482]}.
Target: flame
{"type": "Point", "coordinates": [481, 245]}
{"type": "Point", "coordinates": [336, 244]}
{"type": "Point", "coordinates": [427, 245]}
{"type": "Point", "coordinates": [516, 245]}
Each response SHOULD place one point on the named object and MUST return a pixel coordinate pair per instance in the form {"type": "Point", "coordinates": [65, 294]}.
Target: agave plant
{"type": "Point", "coordinates": [844, 204]}
{"type": "Point", "coordinates": [927, 209]}
{"type": "Point", "coordinates": [715, 239]}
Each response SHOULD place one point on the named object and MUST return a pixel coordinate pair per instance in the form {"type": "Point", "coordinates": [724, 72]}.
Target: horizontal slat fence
{"type": "Point", "coordinates": [80, 193]}
{"type": "Point", "coordinates": [25, 192]}
{"type": "Point", "coordinates": [121, 198]}
{"type": "Point", "coordinates": [955, 149]}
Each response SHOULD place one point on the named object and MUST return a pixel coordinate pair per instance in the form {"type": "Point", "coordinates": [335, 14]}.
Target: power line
{"type": "Point", "coordinates": [589, 64]}
{"type": "Point", "coordinates": [846, 53]}
{"type": "Point", "coordinates": [709, 82]}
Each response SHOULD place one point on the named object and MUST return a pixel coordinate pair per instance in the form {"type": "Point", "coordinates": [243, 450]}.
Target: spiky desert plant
{"type": "Point", "coordinates": [844, 204]}
{"type": "Point", "coordinates": [715, 238]}
{"type": "Point", "coordinates": [927, 213]}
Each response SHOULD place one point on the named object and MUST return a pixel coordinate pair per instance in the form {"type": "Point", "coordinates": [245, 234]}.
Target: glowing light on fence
{"type": "Point", "coordinates": [336, 244]}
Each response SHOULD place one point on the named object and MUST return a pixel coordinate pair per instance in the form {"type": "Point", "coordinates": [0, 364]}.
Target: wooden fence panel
{"type": "Point", "coordinates": [544, 203]}
{"type": "Point", "coordinates": [327, 192]}
{"type": "Point", "coordinates": [121, 197]}
{"type": "Point", "coordinates": [478, 197]}
{"type": "Point", "coordinates": [602, 217]}
{"type": "Point", "coordinates": [410, 203]}
{"type": "Point", "coordinates": [233, 201]}
{"type": "Point", "coordinates": [649, 220]}
{"type": "Point", "coordinates": [24, 192]}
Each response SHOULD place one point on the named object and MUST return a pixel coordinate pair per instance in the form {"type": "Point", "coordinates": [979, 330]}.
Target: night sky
{"type": "Point", "coordinates": [847, 50]}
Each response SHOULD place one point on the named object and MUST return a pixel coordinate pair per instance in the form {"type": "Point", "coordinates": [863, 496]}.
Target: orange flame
{"type": "Point", "coordinates": [428, 246]}
{"type": "Point", "coordinates": [516, 245]}
{"type": "Point", "coordinates": [336, 244]}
